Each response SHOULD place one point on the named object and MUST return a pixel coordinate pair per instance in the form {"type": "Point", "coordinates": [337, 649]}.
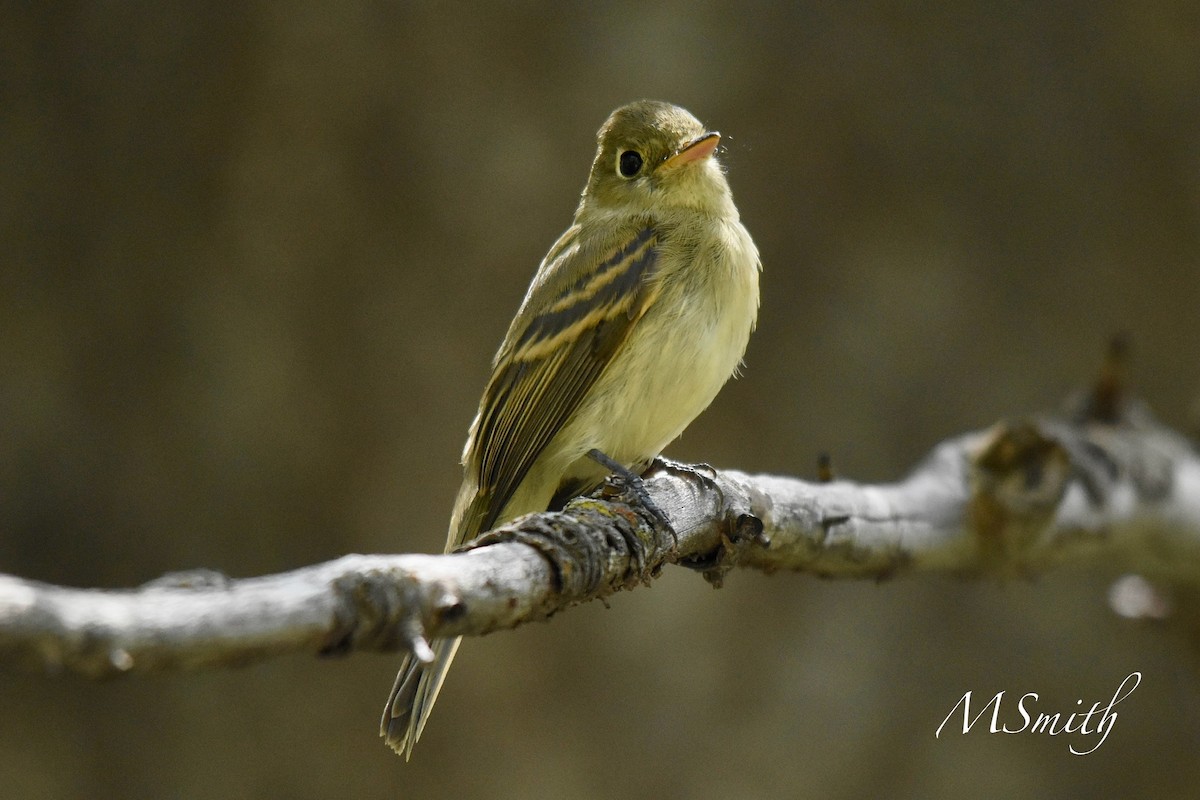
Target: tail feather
{"type": "Point", "coordinates": [413, 695]}
{"type": "Point", "coordinates": [417, 686]}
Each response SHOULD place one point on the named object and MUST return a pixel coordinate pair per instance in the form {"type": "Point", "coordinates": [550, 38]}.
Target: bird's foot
{"type": "Point", "coordinates": [634, 484]}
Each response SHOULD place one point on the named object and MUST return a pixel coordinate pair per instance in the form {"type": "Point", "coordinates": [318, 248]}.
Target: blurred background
{"type": "Point", "coordinates": [257, 260]}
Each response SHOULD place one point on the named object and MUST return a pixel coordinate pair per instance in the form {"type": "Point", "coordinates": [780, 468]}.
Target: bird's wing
{"type": "Point", "coordinates": [545, 368]}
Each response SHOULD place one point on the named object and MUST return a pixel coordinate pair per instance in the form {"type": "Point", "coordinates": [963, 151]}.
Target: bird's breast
{"type": "Point", "coordinates": [685, 347]}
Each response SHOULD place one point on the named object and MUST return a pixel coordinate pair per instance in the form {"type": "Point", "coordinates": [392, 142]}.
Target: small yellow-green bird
{"type": "Point", "coordinates": [635, 319]}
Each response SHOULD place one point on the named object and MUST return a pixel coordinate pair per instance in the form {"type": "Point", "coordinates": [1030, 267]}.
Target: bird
{"type": "Point", "coordinates": [635, 319]}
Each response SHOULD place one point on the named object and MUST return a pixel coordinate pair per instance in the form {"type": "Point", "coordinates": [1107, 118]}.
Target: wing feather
{"type": "Point", "coordinates": [546, 369]}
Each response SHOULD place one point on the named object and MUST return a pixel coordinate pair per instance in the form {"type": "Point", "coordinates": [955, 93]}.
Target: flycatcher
{"type": "Point", "coordinates": [635, 319]}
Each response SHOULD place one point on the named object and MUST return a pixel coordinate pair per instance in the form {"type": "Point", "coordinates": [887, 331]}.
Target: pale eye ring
{"type": "Point", "coordinates": [629, 164]}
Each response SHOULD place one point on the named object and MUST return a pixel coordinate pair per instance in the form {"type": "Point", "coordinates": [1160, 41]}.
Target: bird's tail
{"type": "Point", "coordinates": [413, 696]}
{"type": "Point", "coordinates": [417, 686]}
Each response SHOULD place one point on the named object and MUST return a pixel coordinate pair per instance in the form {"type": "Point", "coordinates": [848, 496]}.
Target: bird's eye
{"type": "Point", "coordinates": [630, 163]}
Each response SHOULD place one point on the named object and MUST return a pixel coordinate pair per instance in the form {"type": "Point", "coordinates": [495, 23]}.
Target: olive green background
{"type": "Point", "coordinates": [257, 257]}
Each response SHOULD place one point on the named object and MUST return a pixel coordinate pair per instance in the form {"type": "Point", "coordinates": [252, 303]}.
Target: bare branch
{"type": "Point", "coordinates": [1015, 499]}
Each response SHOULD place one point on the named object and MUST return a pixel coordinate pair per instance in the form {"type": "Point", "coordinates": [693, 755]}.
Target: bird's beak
{"type": "Point", "coordinates": [697, 149]}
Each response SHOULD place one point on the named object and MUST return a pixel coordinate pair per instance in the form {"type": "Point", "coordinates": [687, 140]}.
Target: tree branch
{"type": "Point", "coordinates": [1102, 481]}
